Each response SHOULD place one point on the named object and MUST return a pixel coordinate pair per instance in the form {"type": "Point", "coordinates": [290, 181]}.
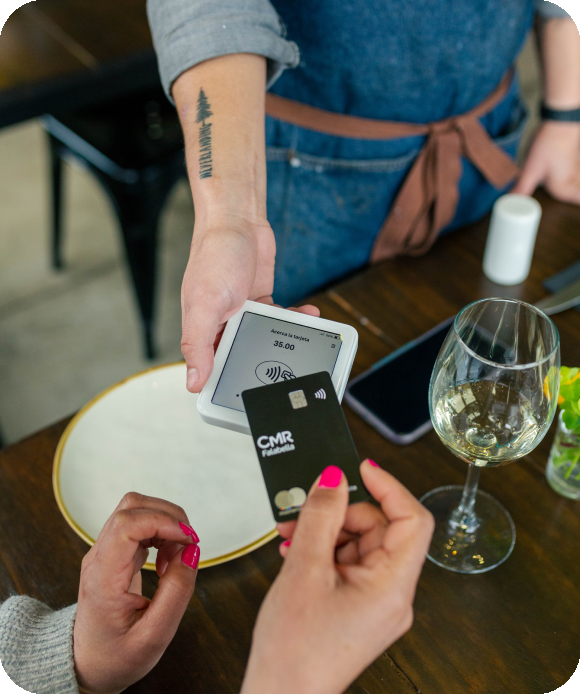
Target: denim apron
{"type": "Point", "coordinates": [415, 62]}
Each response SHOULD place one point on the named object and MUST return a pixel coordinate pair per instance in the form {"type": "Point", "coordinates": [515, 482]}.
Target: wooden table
{"type": "Point", "coordinates": [73, 52]}
{"type": "Point", "coordinates": [514, 630]}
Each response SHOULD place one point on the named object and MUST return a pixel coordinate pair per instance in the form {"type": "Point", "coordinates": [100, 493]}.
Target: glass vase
{"type": "Point", "coordinates": [563, 469]}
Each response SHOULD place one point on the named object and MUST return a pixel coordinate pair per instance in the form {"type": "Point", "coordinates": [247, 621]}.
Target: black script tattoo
{"type": "Point", "coordinates": [203, 112]}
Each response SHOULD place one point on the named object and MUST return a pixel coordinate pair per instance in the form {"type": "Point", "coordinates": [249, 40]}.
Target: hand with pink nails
{"type": "Point", "coordinates": [345, 592]}
{"type": "Point", "coordinates": [120, 635]}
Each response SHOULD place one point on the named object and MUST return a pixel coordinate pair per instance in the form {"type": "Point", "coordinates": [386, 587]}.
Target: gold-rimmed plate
{"type": "Point", "coordinates": [145, 435]}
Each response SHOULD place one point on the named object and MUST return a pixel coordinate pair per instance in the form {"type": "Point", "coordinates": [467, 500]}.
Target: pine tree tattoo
{"type": "Point", "coordinates": [203, 112]}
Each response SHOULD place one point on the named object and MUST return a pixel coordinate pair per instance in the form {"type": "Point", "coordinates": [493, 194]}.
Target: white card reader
{"type": "Point", "coordinates": [264, 344]}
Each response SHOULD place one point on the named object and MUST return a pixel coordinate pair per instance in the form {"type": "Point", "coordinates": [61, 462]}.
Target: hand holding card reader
{"type": "Point", "coordinates": [264, 345]}
{"type": "Point", "coordinates": [298, 429]}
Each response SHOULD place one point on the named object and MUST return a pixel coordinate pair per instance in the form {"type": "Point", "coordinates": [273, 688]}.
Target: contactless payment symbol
{"type": "Point", "coordinates": [273, 371]}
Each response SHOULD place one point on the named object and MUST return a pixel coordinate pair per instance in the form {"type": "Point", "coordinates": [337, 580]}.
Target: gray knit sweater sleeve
{"type": "Point", "coordinates": [549, 10]}
{"type": "Point", "coordinates": [186, 32]}
{"type": "Point", "coordinates": [36, 646]}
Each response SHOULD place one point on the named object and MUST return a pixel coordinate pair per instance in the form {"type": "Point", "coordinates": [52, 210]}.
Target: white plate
{"type": "Point", "coordinates": [145, 435]}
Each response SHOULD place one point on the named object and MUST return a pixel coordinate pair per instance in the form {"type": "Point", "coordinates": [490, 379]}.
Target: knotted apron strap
{"type": "Point", "coordinates": [428, 198]}
{"type": "Point", "coordinates": [440, 171]}
{"type": "Point", "coordinates": [410, 210]}
{"type": "Point", "coordinates": [497, 166]}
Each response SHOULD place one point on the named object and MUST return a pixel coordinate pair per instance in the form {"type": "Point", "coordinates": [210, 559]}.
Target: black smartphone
{"type": "Point", "coordinates": [392, 396]}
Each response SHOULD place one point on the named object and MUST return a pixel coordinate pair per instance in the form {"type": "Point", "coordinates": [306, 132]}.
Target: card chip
{"type": "Point", "coordinates": [297, 399]}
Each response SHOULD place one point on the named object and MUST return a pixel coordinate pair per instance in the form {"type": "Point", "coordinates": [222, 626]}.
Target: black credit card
{"type": "Point", "coordinates": [298, 429]}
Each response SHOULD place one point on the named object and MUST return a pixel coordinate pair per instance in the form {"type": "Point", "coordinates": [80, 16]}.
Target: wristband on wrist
{"type": "Point", "coordinates": [568, 116]}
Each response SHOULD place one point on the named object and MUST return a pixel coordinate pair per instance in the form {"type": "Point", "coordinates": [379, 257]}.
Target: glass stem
{"type": "Point", "coordinates": [464, 518]}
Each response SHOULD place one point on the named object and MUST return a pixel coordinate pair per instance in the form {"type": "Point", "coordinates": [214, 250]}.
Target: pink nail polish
{"type": "Point", "coordinates": [190, 556]}
{"type": "Point", "coordinates": [330, 477]}
{"type": "Point", "coordinates": [188, 530]}
{"type": "Point", "coordinates": [286, 543]}
{"type": "Point", "coordinates": [372, 462]}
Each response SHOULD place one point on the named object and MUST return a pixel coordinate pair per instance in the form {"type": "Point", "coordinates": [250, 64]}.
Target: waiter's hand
{"type": "Point", "coordinates": [119, 635]}
{"type": "Point", "coordinates": [231, 260]}
{"type": "Point", "coordinates": [330, 612]}
{"type": "Point", "coordinates": [554, 162]}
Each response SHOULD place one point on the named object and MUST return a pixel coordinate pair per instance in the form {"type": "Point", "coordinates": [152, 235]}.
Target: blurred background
{"type": "Point", "coordinates": [67, 334]}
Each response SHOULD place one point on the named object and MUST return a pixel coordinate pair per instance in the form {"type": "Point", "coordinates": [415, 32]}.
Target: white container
{"type": "Point", "coordinates": [511, 239]}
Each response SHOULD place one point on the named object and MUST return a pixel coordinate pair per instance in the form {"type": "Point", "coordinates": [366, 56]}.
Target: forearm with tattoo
{"type": "Point", "coordinates": [221, 107]}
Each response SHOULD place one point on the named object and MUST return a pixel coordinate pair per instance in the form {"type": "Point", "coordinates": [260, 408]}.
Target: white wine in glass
{"type": "Point", "coordinates": [492, 397]}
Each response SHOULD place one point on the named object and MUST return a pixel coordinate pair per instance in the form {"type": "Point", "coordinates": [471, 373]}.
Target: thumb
{"type": "Point", "coordinates": [320, 521]}
{"type": "Point", "coordinates": [202, 320]}
{"type": "Point", "coordinates": [173, 593]}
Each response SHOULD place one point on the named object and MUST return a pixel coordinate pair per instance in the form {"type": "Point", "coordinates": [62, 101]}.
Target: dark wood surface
{"type": "Point", "coordinates": [514, 630]}
{"type": "Point", "coordinates": [56, 53]}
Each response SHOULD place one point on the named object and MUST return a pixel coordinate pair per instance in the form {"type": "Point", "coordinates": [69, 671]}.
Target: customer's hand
{"type": "Point", "coordinates": [554, 162]}
{"type": "Point", "coordinates": [331, 611]}
{"type": "Point", "coordinates": [231, 260]}
{"type": "Point", "coordinates": [119, 635]}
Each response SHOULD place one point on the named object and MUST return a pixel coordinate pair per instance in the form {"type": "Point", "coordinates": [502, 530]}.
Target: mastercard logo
{"type": "Point", "coordinates": [291, 498]}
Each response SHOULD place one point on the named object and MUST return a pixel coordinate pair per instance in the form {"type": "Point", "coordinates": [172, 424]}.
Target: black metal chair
{"type": "Point", "coordinates": [134, 147]}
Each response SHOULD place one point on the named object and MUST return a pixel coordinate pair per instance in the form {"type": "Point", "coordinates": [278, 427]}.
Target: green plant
{"type": "Point", "coordinates": [566, 450]}
{"type": "Point", "coordinates": [569, 398]}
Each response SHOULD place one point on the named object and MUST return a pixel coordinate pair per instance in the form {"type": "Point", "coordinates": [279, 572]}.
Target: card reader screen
{"type": "Point", "coordinates": [267, 350]}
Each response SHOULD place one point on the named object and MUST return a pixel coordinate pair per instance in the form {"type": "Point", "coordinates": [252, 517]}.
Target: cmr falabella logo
{"type": "Point", "coordinates": [282, 442]}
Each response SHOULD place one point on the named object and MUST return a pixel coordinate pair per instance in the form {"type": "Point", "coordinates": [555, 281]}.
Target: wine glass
{"type": "Point", "coordinates": [492, 397]}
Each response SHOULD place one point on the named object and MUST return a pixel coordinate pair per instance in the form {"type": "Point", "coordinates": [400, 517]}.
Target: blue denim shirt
{"type": "Point", "coordinates": [417, 61]}
{"type": "Point", "coordinates": [409, 60]}
{"type": "Point", "coordinates": [413, 61]}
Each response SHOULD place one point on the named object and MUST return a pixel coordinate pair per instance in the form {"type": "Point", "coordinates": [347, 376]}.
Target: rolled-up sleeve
{"type": "Point", "coordinates": [187, 32]}
{"type": "Point", "coordinates": [549, 10]}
